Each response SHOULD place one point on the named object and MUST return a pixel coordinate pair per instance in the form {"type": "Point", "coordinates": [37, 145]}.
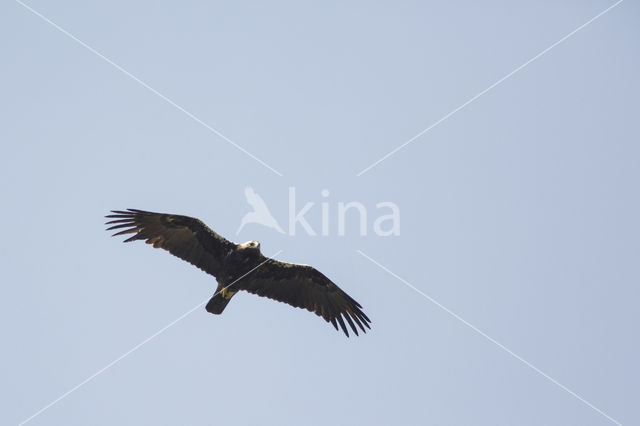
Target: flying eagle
{"type": "Point", "coordinates": [241, 267]}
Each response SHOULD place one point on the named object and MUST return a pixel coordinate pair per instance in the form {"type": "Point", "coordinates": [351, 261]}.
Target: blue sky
{"type": "Point", "coordinates": [518, 213]}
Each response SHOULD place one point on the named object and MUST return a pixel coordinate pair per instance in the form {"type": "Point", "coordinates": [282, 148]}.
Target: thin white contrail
{"type": "Point", "coordinates": [488, 89]}
{"type": "Point", "coordinates": [133, 349]}
{"type": "Point", "coordinates": [142, 83]}
{"type": "Point", "coordinates": [491, 339]}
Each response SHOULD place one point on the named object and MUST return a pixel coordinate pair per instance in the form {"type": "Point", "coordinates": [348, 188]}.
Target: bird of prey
{"type": "Point", "coordinates": [241, 267]}
{"type": "Point", "coordinates": [260, 213]}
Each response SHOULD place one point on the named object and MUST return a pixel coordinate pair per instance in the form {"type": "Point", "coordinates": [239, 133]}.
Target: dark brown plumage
{"type": "Point", "coordinates": [241, 267]}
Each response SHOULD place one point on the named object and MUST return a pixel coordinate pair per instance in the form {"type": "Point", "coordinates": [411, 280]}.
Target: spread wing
{"type": "Point", "coordinates": [182, 236]}
{"type": "Point", "coordinates": [303, 286]}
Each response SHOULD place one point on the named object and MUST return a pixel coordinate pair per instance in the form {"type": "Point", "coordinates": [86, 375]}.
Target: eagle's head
{"type": "Point", "coordinates": [250, 245]}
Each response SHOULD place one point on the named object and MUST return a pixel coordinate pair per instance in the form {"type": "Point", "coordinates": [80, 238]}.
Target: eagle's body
{"type": "Point", "coordinates": [241, 267]}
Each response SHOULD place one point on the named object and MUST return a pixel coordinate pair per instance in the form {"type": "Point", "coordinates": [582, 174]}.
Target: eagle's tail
{"type": "Point", "coordinates": [219, 300]}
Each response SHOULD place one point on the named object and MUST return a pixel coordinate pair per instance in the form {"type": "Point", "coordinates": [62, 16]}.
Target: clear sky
{"type": "Point", "coordinates": [518, 213]}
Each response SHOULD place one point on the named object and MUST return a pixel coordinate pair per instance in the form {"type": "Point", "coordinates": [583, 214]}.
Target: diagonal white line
{"type": "Point", "coordinates": [486, 336]}
{"type": "Point", "coordinates": [111, 364]}
{"type": "Point", "coordinates": [488, 88]}
{"type": "Point", "coordinates": [142, 83]}
{"type": "Point", "coordinates": [135, 348]}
